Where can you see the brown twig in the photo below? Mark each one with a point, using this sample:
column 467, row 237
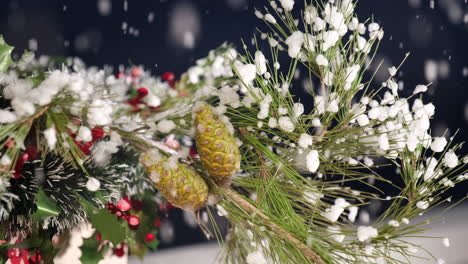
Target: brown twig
column 37, row 115
column 249, row 208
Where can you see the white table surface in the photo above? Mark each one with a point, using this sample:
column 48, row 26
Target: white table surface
column 453, row 225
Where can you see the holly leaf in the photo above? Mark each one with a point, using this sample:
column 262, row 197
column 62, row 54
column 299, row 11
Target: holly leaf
column 89, row 251
column 5, row 55
column 109, row 226
column 104, row 222
column 45, row 206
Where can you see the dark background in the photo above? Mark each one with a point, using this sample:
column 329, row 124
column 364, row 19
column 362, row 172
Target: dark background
column 157, row 34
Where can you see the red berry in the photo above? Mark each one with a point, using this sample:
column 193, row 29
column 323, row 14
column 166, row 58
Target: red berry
column 13, row 253
column 98, row 236
column 137, row 205
column 97, row 133
column 193, row 152
column 149, row 237
column 142, row 92
column 10, row 143
column 134, row 101
column 136, row 72
column 119, row 252
column 124, row 204
column 133, row 221
column 157, row 222
column 19, row 165
column 168, row 76
column 112, row 208
column 86, row 148
column 172, row 84
column 36, row 258
column 32, row 152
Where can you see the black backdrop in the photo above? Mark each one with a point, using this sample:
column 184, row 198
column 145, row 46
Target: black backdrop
column 151, row 33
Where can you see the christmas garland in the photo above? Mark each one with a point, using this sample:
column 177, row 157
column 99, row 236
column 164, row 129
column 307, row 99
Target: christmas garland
column 86, row 146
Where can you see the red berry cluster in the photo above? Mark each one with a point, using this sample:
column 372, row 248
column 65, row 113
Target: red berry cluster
column 97, row 133
column 135, row 102
column 119, row 251
column 169, row 77
column 122, row 210
column 30, row 153
column 141, row 92
column 35, row 258
column 23, row 256
column 18, row 255
column 135, row 73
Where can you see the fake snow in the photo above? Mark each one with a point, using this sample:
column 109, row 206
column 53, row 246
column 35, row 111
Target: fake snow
column 313, row 161
column 366, row 232
column 438, row 144
column 294, row 43
column 51, row 137
column 305, row 141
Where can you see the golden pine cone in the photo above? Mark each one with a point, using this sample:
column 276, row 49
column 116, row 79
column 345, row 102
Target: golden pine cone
column 216, row 145
column 178, row 183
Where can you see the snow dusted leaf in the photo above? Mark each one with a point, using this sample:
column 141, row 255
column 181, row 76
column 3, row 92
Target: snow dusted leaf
column 5, row 55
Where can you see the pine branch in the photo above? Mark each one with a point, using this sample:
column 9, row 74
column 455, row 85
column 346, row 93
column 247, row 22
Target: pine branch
column 248, row 207
column 37, row 115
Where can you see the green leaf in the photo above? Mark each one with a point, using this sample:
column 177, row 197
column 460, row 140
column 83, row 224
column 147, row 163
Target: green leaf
column 45, row 206
column 89, row 251
column 109, row 226
column 104, row 222
column 5, row 55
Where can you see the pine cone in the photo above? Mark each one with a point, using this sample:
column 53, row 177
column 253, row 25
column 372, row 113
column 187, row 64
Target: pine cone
column 178, row 183
column 216, row 145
